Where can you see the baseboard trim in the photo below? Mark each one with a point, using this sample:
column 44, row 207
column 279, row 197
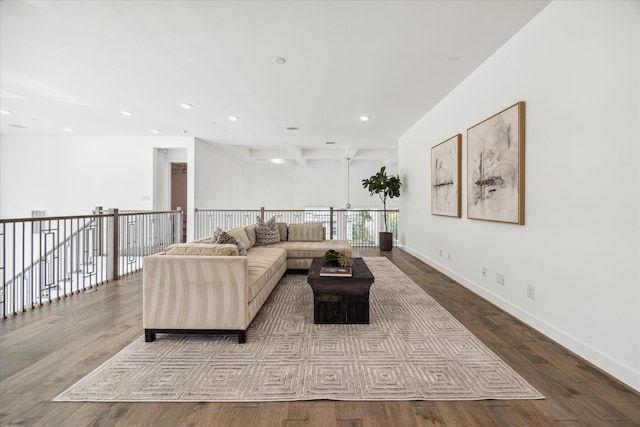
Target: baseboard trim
column 601, row 361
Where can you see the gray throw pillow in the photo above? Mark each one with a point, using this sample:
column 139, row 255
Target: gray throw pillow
column 267, row 232
column 223, row 238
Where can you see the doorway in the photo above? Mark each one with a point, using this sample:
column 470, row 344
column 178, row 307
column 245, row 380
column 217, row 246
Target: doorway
column 179, row 193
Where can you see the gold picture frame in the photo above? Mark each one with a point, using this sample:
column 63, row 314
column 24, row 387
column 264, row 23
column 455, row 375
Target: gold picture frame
column 446, row 177
column 495, row 167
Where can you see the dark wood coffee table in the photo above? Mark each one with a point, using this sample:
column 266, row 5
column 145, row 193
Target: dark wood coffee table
column 340, row 299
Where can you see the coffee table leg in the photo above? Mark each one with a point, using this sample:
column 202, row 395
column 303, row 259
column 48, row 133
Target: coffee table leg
column 341, row 309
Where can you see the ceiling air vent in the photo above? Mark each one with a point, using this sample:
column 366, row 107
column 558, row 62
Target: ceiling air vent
column 292, row 128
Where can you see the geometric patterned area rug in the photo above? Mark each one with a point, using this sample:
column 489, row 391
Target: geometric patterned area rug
column 413, row 349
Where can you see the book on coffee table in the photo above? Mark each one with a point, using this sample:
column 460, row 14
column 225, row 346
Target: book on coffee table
column 336, row 271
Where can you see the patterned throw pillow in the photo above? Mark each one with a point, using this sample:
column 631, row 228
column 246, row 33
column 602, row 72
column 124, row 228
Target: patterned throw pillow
column 223, row 238
column 267, row 232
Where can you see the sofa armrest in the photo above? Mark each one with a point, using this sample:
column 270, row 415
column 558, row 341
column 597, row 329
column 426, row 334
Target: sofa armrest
column 195, row 292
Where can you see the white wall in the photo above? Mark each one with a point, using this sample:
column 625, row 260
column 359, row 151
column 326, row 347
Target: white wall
column 50, row 173
column 327, row 186
column 576, row 65
column 227, row 182
column 224, row 181
column 71, row 175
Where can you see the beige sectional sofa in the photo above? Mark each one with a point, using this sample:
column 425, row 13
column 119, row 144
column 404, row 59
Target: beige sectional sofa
column 206, row 288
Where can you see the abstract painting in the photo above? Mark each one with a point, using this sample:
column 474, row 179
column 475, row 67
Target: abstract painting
column 495, row 167
column 446, row 160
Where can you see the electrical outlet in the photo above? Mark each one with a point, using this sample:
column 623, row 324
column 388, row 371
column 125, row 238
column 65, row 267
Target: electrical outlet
column 449, row 256
column 499, row 279
column 484, row 271
column 440, row 252
column 531, row 291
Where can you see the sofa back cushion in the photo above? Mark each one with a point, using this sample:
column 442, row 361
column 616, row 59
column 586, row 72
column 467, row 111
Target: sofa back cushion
column 267, row 232
column 210, row 239
column 251, row 234
column 306, row 232
column 282, row 228
column 241, row 236
column 194, row 248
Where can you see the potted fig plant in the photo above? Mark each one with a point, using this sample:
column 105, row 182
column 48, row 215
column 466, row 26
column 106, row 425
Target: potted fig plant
column 384, row 186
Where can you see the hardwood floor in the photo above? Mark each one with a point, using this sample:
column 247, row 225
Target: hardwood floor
column 44, row 351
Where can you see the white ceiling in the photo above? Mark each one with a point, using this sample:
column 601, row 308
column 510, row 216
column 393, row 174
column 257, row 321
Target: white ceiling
column 78, row 64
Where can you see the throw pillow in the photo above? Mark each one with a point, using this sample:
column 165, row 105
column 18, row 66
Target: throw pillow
column 224, row 238
column 267, row 232
column 241, row 236
column 216, row 234
column 201, row 249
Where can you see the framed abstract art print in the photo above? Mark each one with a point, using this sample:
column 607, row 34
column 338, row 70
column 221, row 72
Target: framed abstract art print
column 495, row 167
column 446, row 161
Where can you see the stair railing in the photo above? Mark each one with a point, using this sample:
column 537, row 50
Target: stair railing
column 47, row 258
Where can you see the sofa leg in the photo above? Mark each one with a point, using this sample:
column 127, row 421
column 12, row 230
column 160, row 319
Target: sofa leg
column 149, row 335
column 242, row 337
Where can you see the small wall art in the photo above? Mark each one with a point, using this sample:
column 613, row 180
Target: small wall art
column 495, row 167
column 446, row 188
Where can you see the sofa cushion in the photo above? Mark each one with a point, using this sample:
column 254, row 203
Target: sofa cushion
column 241, row 236
column 267, row 232
column 306, row 232
column 222, row 237
column 263, row 264
column 202, row 249
column 282, row 227
column 205, row 240
column 251, row 234
column 310, row 250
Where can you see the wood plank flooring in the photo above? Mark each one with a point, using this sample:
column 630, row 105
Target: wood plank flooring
column 44, row 351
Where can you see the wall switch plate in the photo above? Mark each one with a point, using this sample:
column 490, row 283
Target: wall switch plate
column 499, row 279
column 449, row 257
column 440, row 252
column 484, row 271
column 531, row 291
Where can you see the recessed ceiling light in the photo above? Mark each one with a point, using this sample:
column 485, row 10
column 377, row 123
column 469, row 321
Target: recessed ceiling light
column 279, row 60
column 155, row 131
column 127, row 113
column 5, row 112
column 186, row 106
column 364, row 119
column 278, row 161
column 68, row 130
column 233, row 118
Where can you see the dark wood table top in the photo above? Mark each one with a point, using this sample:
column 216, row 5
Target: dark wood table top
column 360, row 275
